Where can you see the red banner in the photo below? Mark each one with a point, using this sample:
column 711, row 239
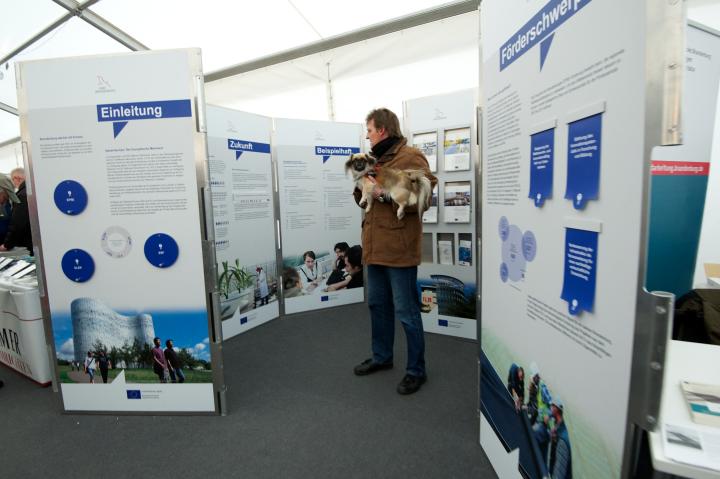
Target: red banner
column 680, row 168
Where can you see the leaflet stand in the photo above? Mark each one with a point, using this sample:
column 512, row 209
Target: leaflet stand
column 444, row 128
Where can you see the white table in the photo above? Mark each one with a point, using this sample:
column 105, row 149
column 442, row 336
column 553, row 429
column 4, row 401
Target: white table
column 685, row 361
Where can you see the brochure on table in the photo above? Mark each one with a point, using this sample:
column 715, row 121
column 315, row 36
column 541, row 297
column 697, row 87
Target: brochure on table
column 563, row 181
column 113, row 160
column 447, row 277
column 241, row 182
column 317, row 209
column 680, row 177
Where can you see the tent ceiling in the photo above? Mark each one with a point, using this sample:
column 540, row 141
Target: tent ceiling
column 231, row 32
column 408, row 46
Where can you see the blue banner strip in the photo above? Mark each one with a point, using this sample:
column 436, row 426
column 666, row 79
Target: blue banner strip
column 147, row 110
column 580, row 270
column 327, row 151
column 540, row 26
column 244, row 145
column 583, row 157
column 542, row 159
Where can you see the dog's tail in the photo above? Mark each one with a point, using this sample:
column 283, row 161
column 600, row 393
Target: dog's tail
column 422, row 187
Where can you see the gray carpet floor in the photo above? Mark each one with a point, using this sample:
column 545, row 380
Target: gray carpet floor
column 295, row 411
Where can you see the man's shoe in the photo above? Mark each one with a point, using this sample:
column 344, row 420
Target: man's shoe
column 369, row 366
column 410, row 384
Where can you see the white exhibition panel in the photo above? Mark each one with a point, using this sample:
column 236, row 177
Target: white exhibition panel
column 707, row 68
column 317, row 209
column 687, row 207
column 588, row 67
column 22, row 335
column 710, row 232
column 442, row 126
column 114, row 167
column 241, row 181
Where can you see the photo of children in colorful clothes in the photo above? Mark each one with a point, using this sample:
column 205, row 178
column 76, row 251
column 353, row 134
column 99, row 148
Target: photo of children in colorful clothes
column 545, row 414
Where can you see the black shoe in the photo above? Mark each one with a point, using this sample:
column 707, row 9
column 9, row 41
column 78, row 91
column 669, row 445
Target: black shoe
column 1, row 384
column 369, row 366
column 410, row 384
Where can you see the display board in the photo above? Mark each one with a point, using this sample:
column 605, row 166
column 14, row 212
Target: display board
column 317, row 209
column 680, row 173
column 443, row 128
column 564, row 172
column 241, row 181
column 118, row 166
column 22, row 336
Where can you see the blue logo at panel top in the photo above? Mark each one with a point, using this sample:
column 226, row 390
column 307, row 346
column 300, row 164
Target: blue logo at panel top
column 70, row 197
column 161, row 250
column 77, row 265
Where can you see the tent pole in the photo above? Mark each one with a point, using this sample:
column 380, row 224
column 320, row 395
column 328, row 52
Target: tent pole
column 441, row 12
column 330, row 98
column 8, row 108
column 5, row 143
column 101, row 24
column 48, row 29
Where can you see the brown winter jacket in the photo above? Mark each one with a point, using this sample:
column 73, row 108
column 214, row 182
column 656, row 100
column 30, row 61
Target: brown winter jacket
column 386, row 240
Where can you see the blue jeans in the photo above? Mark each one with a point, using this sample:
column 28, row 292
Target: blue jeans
column 392, row 292
column 176, row 375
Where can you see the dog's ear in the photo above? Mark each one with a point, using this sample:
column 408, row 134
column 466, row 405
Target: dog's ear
column 349, row 162
column 371, row 157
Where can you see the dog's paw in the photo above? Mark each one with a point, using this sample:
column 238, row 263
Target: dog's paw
column 363, row 204
column 400, row 214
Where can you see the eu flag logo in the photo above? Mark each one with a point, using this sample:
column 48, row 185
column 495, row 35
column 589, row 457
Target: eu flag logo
column 443, row 322
column 324, row 298
column 133, row 394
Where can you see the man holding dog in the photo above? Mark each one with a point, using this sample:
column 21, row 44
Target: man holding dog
column 392, row 253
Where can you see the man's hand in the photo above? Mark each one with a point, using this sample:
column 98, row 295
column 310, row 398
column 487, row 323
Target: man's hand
column 377, row 192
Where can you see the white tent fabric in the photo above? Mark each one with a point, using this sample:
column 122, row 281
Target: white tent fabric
column 383, row 71
column 420, row 61
column 228, row 32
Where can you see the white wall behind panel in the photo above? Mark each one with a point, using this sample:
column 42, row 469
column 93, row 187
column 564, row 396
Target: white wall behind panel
column 10, row 157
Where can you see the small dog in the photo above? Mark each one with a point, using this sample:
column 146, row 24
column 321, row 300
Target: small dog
column 406, row 187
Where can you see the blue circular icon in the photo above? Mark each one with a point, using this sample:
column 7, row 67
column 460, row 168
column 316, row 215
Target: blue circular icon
column 529, row 246
column 78, row 265
column 161, row 250
column 504, row 273
column 504, row 228
column 70, row 197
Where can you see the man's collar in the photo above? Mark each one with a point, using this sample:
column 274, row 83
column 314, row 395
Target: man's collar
column 392, row 150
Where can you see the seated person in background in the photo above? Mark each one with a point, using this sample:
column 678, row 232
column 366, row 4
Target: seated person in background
column 292, row 286
column 354, row 269
column 339, row 274
column 340, row 251
column 308, row 272
column 6, row 203
column 18, row 233
column 18, row 177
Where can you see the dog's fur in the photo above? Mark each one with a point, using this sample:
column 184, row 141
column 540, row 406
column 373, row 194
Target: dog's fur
column 406, row 187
